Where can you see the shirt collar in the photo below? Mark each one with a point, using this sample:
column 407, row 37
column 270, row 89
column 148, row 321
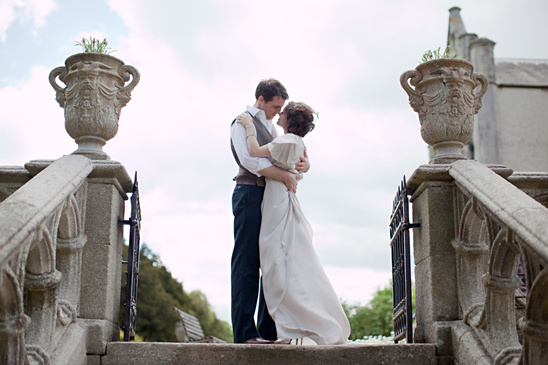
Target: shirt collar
column 258, row 113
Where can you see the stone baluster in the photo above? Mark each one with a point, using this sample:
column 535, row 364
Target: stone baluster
column 70, row 243
column 13, row 321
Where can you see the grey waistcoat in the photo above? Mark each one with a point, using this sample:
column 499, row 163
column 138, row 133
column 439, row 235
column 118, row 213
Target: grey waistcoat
column 244, row 176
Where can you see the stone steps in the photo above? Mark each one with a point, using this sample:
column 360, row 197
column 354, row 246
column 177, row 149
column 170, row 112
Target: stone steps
column 163, row 353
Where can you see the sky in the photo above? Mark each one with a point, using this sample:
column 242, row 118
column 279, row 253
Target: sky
column 200, row 62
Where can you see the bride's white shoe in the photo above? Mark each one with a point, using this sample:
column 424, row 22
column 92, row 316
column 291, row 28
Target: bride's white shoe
column 285, row 341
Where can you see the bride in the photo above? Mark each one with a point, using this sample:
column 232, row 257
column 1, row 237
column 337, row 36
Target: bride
column 298, row 293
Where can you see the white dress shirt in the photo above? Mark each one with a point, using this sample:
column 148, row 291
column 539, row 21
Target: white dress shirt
column 238, row 136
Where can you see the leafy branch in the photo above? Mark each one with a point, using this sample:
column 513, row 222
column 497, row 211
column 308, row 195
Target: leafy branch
column 93, row 45
column 437, row 54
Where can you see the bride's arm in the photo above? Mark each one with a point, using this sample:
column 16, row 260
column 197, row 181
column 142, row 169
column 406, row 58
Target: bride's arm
column 252, row 144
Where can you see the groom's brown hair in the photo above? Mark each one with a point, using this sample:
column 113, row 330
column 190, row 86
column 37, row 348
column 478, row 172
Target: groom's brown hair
column 270, row 88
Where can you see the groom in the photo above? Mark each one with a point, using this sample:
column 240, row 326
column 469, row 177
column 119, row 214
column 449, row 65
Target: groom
column 247, row 197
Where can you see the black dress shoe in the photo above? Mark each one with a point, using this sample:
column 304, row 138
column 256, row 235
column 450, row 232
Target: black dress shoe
column 258, row 341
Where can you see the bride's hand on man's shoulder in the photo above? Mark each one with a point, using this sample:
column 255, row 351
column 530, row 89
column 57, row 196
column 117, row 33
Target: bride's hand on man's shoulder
column 244, row 119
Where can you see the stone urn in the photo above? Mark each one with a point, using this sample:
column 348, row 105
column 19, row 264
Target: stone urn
column 95, row 93
column 446, row 93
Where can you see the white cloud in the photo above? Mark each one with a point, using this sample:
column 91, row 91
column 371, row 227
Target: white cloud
column 7, row 16
column 34, row 12
column 32, row 122
column 38, row 10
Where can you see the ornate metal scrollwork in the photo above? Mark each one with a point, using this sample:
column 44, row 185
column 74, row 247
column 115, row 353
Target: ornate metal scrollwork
column 132, row 274
column 401, row 265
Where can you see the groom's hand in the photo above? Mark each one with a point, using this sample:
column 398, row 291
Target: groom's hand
column 304, row 164
column 276, row 173
column 290, row 181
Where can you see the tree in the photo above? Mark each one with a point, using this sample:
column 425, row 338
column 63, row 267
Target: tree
column 375, row 318
column 212, row 326
column 157, row 293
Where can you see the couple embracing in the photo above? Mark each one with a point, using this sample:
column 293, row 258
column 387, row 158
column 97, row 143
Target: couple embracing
column 271, row 233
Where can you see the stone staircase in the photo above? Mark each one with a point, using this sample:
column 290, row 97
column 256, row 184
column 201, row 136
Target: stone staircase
column 155, row 353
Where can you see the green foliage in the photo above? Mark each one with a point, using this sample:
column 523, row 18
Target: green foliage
column 158, row 292
column 136, row 339
column 436, row 54
column 375, row 318
column 199, row 307
column 93, row 45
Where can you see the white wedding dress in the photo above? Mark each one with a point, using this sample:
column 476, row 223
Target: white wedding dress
column 299, row 296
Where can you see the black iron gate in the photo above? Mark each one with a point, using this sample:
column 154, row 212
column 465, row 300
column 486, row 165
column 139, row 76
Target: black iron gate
column 401, row 266
column 132, row 273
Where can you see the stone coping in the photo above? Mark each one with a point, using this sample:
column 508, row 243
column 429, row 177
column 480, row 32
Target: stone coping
column 102, row 169
column 37, row 200
column 14, row 175
column 440, row 173
column 140, row 353
column 529, row 180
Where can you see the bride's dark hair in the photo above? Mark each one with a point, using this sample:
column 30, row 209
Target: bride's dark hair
column 300, row 118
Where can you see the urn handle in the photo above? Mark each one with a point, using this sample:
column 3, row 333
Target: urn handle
column 478, row 80
column 125, row 93
column 412, row 77
column 60, row 71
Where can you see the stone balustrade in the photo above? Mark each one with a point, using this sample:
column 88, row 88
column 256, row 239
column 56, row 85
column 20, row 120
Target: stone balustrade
column 477, row 222
column 60, row 259
column 40, row 260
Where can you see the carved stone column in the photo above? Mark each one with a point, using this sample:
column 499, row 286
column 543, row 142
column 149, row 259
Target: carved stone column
column 535, row 327
column 70, row 243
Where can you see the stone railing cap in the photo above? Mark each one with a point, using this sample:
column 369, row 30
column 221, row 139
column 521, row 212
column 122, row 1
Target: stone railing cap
column 440, row 172
column 101, row 169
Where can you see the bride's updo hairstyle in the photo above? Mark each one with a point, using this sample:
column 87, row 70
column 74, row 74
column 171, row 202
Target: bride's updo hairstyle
column 300, row 118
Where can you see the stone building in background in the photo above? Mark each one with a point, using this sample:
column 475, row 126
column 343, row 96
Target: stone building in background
column 512, row 126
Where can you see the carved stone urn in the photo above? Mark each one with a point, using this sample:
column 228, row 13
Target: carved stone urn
column 446, row 93
column 95, row 93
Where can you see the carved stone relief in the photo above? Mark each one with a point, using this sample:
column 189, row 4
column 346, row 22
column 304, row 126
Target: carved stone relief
column 93, row 98
column 443, row 96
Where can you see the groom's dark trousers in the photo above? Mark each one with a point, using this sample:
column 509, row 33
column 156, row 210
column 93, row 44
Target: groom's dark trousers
column 246, row 207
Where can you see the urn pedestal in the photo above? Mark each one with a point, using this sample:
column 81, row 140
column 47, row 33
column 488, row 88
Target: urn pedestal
column 446, row 93
column 95, row 93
